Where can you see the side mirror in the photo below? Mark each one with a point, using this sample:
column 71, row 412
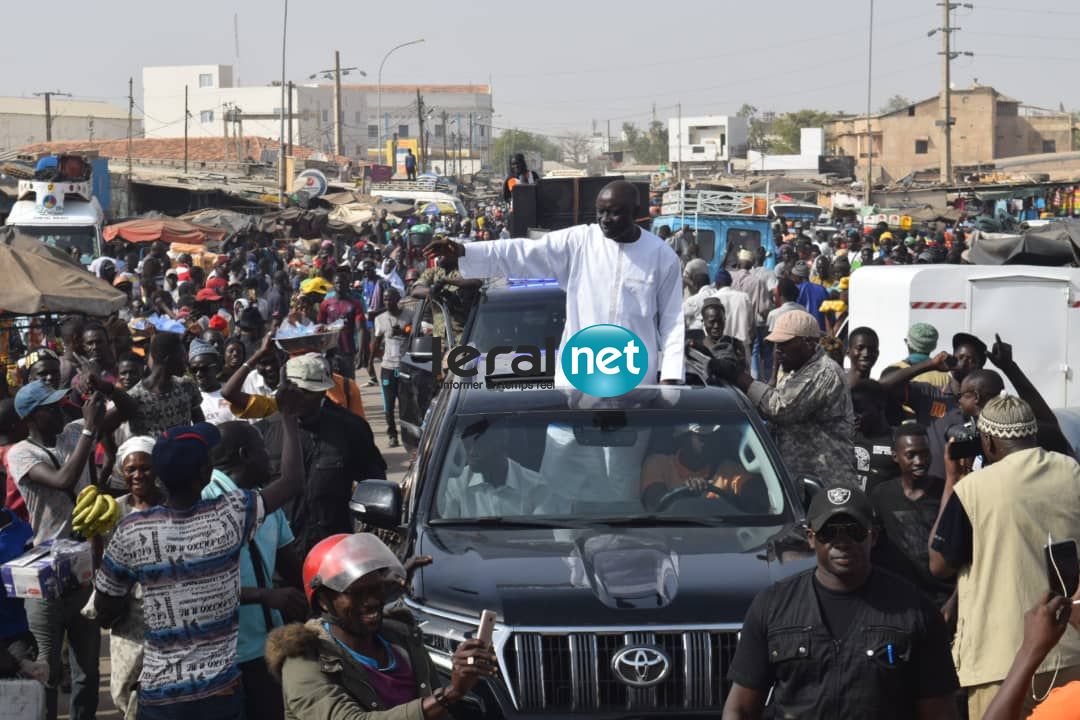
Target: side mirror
column 423, row 348
column 377, row 503
column 811, row 486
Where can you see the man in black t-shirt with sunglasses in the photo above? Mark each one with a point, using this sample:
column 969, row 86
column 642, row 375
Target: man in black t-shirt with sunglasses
column 845, row 639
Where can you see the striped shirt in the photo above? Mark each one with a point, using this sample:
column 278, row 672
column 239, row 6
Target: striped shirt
column 188, row 562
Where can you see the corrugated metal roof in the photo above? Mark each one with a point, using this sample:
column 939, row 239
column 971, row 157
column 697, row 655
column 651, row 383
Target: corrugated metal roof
column 212, row 149
column 60, row 106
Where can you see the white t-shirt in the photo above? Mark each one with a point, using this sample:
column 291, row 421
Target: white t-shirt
column 215, row 408
column 49, row 508
column 393, row 346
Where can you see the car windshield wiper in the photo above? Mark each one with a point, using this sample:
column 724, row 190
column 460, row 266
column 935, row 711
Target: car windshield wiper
column 661, row 520
column 518, row 522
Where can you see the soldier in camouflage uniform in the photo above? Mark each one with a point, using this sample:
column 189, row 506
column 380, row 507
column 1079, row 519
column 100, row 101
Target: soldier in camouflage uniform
column 446, row 282
column 809, row 411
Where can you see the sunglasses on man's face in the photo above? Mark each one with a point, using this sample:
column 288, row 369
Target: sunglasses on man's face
column 852, row 531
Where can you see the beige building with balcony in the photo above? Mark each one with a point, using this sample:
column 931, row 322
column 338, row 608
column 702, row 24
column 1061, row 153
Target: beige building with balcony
column 987, row 126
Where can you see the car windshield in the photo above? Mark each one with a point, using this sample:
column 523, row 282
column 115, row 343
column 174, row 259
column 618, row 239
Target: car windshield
column 608, row 466
column 66, row 238
column 526, row 320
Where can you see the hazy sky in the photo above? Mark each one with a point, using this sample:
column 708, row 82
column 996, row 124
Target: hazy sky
column 557, row 65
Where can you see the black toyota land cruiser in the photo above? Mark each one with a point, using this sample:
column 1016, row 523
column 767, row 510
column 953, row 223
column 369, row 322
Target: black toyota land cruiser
column 619, row 590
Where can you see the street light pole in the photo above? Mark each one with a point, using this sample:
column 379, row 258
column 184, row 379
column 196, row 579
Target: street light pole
column 281, row 137
column 388, row 53
column 868, row 191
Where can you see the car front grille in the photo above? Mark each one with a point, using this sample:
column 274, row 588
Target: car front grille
column 572, row 672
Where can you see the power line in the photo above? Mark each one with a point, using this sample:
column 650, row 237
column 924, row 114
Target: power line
column 1029, row 11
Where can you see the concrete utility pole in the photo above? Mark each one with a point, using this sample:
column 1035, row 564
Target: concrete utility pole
column 337, row 103
column 48, row 110
column 281, row 136
column 186, row 116
column 420, row 130
column 678, row 140
column 445, row 153
column 945, row 99
column 225, row 130
column 868, row 191
column 946, row 94
column 131, row 130
column 288, row 143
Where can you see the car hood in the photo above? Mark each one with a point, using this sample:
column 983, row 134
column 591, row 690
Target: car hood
column 606, row 575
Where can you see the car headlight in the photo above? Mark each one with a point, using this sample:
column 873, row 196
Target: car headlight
column 441, row 635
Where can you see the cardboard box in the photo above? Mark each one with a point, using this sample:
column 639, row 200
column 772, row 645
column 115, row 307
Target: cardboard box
column 39, row 573
column 31, row 575
column 22, row 700
column 76, row 563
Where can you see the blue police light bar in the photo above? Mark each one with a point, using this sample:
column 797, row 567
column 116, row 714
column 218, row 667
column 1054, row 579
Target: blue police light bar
column 532, row 282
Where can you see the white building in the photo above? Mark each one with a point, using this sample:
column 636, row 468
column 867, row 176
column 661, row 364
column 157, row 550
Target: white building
column 211, row 93
column 709, row 139
column 22, row 121
column 811, row 148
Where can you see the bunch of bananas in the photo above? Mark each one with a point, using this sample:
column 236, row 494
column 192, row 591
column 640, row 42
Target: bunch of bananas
column 95, row 512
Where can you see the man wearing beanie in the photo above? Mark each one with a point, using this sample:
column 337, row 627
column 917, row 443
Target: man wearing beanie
column 921, row 341
column 990, row 533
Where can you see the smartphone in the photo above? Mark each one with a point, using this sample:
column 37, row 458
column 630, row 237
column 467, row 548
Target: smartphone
column 1062, row 567
column 487, row 621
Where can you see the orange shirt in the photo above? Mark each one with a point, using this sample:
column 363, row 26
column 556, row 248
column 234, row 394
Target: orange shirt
column 1062, row 704
column 345, row 393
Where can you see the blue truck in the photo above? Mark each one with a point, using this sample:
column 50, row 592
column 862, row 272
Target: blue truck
column 724, row 221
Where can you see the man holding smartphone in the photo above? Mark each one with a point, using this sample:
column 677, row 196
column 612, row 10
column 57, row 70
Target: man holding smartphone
column 990, row 534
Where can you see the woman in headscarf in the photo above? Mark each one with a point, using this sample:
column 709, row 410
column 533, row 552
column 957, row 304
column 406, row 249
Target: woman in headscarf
column 126, row 641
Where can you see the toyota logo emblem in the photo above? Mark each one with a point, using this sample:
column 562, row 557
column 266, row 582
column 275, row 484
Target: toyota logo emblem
column 641, row 666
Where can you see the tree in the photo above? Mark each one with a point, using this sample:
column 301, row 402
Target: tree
column 575, row 148
column 518, row 141
column 896, row 102
column 784, row 133
column 650, row 146
column 757, row 130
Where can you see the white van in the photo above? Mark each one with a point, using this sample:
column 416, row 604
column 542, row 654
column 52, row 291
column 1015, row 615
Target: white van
column 1035, row 309
column 62, row 214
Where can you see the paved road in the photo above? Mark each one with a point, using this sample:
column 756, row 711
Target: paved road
column 396, row 458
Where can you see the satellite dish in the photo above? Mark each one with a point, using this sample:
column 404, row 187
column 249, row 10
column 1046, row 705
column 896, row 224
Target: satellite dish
column 312, row 183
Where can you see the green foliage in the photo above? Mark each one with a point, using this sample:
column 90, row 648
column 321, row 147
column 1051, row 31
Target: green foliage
column 519, row 141
column 784, row 133
column 896, row 102
column 649, row 146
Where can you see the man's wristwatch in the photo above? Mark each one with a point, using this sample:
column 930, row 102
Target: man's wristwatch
column 88, row 433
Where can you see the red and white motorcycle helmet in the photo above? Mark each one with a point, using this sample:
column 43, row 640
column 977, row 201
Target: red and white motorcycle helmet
column 340, row 560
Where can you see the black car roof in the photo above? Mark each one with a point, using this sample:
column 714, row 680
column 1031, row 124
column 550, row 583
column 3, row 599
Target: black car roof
column 685, row 398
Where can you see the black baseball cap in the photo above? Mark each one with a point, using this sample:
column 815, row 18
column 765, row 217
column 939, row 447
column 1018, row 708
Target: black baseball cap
column 840, row 500
column 963, row 338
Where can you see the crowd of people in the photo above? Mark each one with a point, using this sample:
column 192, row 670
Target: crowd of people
column 233, row 463
column 913, row 557
column 235, row 584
